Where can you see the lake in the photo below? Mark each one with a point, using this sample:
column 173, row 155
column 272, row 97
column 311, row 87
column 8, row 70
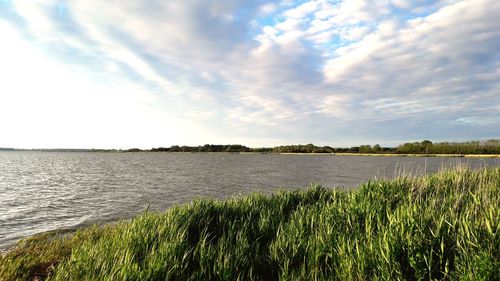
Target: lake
column 41, row 191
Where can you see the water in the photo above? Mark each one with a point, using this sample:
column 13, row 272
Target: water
column 41, row 191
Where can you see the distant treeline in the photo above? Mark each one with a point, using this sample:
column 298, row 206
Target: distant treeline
column 423, row 147
column 470, row 147
column 205, row 148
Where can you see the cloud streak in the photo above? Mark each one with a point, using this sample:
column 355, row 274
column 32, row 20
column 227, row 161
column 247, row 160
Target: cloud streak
column 265, row 73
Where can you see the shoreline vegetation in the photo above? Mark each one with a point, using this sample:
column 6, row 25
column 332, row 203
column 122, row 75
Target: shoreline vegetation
column 432, row 227
column 485, row 148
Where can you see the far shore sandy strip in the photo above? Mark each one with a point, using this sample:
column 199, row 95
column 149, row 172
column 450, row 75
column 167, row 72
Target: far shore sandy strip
column 385, row 154
column 422, row 155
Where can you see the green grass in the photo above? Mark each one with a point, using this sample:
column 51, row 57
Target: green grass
column 438, row 227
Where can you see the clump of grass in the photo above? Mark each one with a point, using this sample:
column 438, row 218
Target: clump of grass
column 442, row 226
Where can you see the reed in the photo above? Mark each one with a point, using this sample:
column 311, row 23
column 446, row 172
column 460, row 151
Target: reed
column 436, row 227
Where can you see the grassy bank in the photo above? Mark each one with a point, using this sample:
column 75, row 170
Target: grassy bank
column 443, row 226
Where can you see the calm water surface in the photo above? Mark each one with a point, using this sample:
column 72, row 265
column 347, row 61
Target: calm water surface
column 41, row 191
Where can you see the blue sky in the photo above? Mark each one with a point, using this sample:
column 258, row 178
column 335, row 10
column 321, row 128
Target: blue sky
column 120, row 74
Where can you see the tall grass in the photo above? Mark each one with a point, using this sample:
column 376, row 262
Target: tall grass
column 438, row 227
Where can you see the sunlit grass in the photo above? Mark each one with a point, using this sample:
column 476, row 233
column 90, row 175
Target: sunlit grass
column 442, row 226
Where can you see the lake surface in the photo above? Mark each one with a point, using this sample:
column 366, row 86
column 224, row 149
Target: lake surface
column 41, row 191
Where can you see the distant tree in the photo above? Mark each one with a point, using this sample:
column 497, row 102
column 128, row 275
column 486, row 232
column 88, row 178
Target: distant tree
column 160, row 149
column 324, row 149
column 175, row 148
column 261, row 149
column 365, row 148
column 425, row 145
column 409, row 148
column 354, row 149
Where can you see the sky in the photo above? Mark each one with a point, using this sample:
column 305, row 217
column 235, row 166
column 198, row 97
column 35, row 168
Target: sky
column 130, row 73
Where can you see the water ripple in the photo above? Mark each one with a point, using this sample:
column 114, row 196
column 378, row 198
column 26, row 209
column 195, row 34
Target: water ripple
column 43, row 191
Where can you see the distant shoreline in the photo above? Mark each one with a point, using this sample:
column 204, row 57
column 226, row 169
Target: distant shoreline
column 421, row 155
column 389, row 154
column 480, row 148
column 262, row 153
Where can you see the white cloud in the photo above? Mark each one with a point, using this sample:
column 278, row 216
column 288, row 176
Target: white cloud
column 335, row 106
column 268, row 8
column 258, row 67
column 303, row 10
column 420, row 68
column 355, row 33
